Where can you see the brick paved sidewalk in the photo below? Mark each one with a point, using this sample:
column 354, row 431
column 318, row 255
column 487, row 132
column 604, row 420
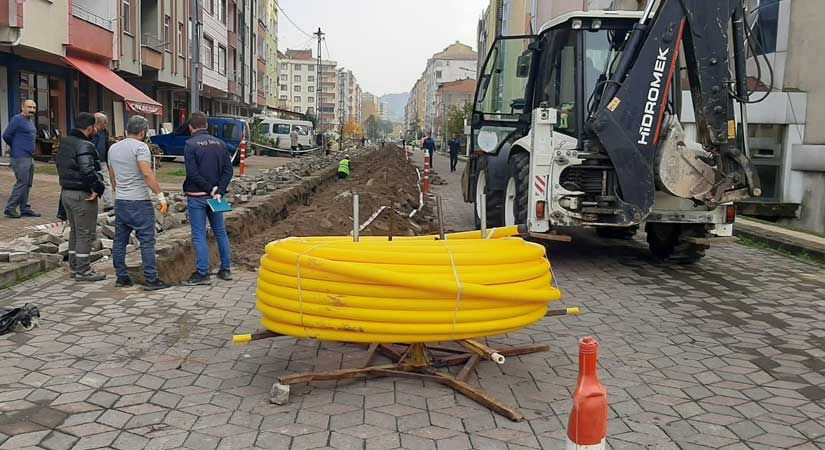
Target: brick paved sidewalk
column 724, row 354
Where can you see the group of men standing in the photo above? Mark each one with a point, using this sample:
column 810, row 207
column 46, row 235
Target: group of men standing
column 121, row 175
column 428, row 145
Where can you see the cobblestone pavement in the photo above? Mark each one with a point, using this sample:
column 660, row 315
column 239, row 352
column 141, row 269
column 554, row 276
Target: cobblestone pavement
column 46, row 192
column 724, row 354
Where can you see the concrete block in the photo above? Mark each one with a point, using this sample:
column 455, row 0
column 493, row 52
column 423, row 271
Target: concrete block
column 179, row 207
column 63, row 248
column 107, row 231
column 56, row 240
column 47, row 247
column 103, row 219
column 51, row 260
column 107, row 243
column 66, row 231
column 18, row 256
column 96, row 245
column 130, row 248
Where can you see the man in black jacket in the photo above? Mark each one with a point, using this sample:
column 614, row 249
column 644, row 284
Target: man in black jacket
column 208, row 173
column 78, row 167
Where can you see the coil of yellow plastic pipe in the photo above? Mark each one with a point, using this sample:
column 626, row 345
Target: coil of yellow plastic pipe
column 409, row 290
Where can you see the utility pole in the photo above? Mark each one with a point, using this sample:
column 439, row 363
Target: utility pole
column 194, row 57
column 320, row 35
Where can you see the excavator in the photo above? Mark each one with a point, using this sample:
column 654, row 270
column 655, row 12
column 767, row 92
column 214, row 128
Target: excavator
column 579, row 126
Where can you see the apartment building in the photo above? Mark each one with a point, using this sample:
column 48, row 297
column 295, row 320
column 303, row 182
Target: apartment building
column 271, row 55
column 126, row 57
column 370, row 106
column 456, row 62
column 451, row 95
column 350, row 91
column 300, row 90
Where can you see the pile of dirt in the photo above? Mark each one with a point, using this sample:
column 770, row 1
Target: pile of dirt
column 382, row 178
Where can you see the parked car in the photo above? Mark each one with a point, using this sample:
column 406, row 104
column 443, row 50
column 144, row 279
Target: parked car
column 232, row 130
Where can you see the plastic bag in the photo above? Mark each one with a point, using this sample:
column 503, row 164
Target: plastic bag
column 24, row 318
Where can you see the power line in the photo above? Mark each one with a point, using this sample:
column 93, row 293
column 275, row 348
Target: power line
column 291, row 21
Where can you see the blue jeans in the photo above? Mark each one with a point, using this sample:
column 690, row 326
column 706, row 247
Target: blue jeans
column 199, row 212
column 137, row 216
column 23, row 169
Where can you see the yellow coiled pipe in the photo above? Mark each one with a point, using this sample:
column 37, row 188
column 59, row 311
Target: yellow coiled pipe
column 409, row 290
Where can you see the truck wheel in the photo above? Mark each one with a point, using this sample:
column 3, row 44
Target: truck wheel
column 494, row 203
column 517, row 191
column 667, row 242
column 625, row 233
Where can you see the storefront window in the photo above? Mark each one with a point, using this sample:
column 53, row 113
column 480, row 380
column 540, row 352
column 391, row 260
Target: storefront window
column 36, row 87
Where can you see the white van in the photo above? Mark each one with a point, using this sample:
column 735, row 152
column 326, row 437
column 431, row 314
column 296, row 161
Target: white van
column 278, row 130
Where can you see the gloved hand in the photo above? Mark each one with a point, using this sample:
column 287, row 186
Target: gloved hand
column 164, row 206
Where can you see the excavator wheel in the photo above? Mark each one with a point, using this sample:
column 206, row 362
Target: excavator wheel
column 495, row 202
column 625, row 233
column 667, row 242
column 518, row 190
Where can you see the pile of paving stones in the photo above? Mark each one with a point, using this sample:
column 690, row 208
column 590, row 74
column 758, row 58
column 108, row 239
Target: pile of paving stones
column 50, row 242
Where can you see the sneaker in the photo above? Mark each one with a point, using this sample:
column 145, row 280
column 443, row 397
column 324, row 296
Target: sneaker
column 30, row 214
column 123, row 282
column 155, row 285
column 225, row 274
column 90, row 276
column 11, row 214
column 198, row 280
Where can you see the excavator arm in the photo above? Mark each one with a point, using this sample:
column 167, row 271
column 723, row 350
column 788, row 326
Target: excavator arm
column 629, row 122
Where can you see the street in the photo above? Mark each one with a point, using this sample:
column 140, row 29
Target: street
column 724, row 354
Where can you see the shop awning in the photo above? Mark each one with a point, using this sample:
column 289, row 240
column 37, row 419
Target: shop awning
column 135, row 100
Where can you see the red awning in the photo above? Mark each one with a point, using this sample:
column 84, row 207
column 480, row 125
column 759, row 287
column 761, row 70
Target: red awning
column 135, row 100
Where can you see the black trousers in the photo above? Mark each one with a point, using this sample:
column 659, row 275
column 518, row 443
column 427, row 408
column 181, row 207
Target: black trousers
column 453, row 161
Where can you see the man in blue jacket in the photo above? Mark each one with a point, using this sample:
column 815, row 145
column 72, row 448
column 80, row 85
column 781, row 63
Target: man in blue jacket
column 20, row 136
column 208, row 173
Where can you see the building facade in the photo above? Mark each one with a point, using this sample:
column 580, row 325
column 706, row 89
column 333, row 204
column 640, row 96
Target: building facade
column 451, row 95
column 350, row 94
column 300, row 91
column 125, row 57
column 370, row 106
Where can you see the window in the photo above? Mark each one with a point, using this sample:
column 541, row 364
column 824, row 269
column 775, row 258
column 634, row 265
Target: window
column 284, row 78
column 211, row 4
column 296, row 99
column 283, row 87
column 311, row 67
column 310, row 110
column 167, row 21
column 222, row 11
column 297, row 78
column 437, row 74
column 232, row 62
column 284, row 66
column 311, row 79
column 281, row 128
column 127, row 16
column 230, row 24
column 765, row 24
column 222, row 60
column 180, row 39
column 207, row 58
column 311, row 99
column 557, row 86
column 298, row 67
column 310, row 88
column 232, row 131
column 297, row 109
column 284, row 97
column 297, row 88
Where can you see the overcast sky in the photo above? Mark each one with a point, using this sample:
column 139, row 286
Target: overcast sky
column 385, row 43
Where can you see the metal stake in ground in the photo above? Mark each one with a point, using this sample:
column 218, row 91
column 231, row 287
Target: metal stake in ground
column 440, row 213
column 356, row 222
column 483, row 216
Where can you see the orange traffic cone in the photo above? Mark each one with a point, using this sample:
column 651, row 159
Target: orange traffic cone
column 587, row 428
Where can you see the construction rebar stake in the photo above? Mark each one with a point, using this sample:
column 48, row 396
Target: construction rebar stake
column 356, row 222
column 440, row 213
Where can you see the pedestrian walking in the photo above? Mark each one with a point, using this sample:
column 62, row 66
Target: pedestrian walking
column 208, row 173
column 78, row 169
column 428, row 144
column 293, row 141
column 134, row 182
column 344, row 168
column 455, row 147
column 20, row 136
column 101, row 141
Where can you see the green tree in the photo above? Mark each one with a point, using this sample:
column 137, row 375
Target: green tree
column 371, row 127
column 455, row 119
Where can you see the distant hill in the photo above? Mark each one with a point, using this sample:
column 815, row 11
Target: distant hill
column 395, row 103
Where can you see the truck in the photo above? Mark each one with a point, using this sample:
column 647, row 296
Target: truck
column 578, row 126
column 233, row 131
